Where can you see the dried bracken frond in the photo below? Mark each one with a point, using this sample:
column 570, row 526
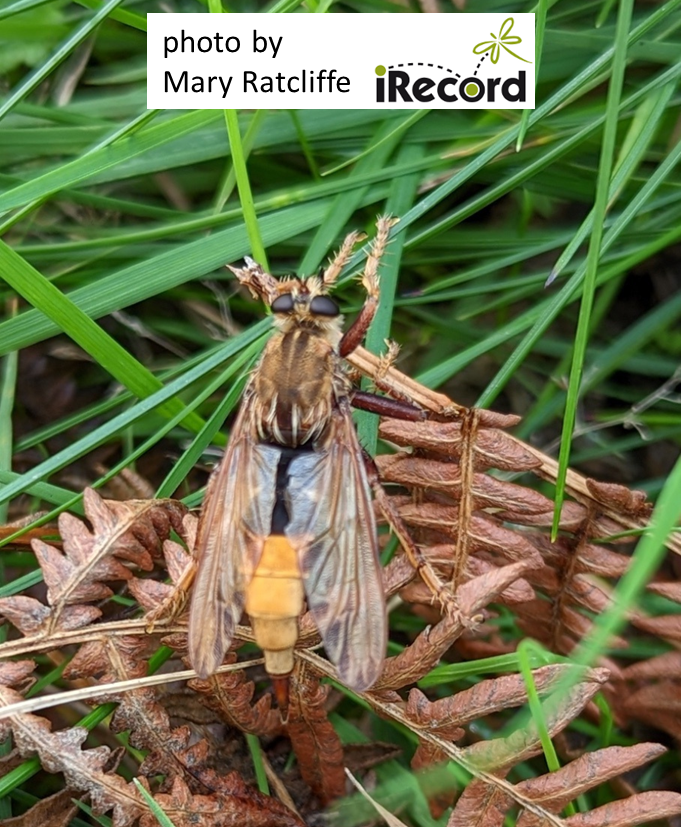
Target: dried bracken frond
column 494, row 695
column 481, row 805
column 84, row 769
column 447, row 718
column 496, row 449
column 130, row 532
column 170, row 750
column 559, row 711
column 314, row 740
column 164, row 602
column 235, row 806
column 422, row 655
column 463, row 517
column 17, row 674
column 56, row 810
column 230, row 802
column 556, row 790
column 110, row 660
column 230, row 695
column 437, row 724
column 31, row 617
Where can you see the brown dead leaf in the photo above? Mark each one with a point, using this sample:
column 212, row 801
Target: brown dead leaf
column 480, row 804
column 620, row 498
column 643, row 808
column 230, row 695
column 557, row 789
column 313, row 738
column 502, row 753
column 359, row 757
column 425, row 652
column 130, row 531
column 487, row 492
column 237, row 806
column 83, row 769
column 31, row 617
column 54, row 811
column 493, row 448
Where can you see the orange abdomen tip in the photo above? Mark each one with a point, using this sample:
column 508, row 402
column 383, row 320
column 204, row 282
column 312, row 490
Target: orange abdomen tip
column 274, row 601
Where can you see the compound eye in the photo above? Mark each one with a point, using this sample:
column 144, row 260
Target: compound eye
column 324, row 306
column 283, row 303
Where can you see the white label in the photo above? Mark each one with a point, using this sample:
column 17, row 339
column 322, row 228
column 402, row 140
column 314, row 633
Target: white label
column 340, row 61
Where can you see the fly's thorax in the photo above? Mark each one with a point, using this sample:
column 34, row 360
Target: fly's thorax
column 296, row 384
column 331, row 330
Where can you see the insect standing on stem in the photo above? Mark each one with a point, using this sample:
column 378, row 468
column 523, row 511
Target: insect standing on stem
column 288, row 515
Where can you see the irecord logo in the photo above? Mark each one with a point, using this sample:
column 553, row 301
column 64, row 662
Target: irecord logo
column 398, row 84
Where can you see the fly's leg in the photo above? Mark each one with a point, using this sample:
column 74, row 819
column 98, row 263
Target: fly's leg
column 341, row 258
column 399, row 386
column 385, row 406
column 384, row 368
column 386, row 361
column 423, row 568
column 355, row 334
column 394, row 406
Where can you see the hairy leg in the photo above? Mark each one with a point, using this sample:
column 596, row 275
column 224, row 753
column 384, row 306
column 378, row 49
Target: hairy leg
column 357, row 330
column 341, row 258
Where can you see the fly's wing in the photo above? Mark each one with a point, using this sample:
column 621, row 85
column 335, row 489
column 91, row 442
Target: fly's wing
column 333, row 527
column 236, row 519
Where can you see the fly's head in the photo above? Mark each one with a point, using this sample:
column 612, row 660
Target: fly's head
column 295, row 302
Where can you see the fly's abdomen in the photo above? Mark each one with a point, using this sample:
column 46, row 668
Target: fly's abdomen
column 274, row 601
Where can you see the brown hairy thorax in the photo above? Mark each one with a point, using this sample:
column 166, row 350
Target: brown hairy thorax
column 299, row 377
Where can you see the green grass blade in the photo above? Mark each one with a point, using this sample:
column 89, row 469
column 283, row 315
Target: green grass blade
column 593, row 255
column 80, row 170
column 540, row 29
column 125, row 16
column 390, row 136
column 244, row 186
column 652, row 109
column 345, row 204
column 126, row 418
column 44, row 296
column 227, row 185
column 258, row 764
column 577, row 84
column 402, row 195
column 20, row 6
column 8, row 382
column 526, row 649
column 159, row 814
column 203, row 439
column 542, row 316
column 62, row 52
column 160, row 273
